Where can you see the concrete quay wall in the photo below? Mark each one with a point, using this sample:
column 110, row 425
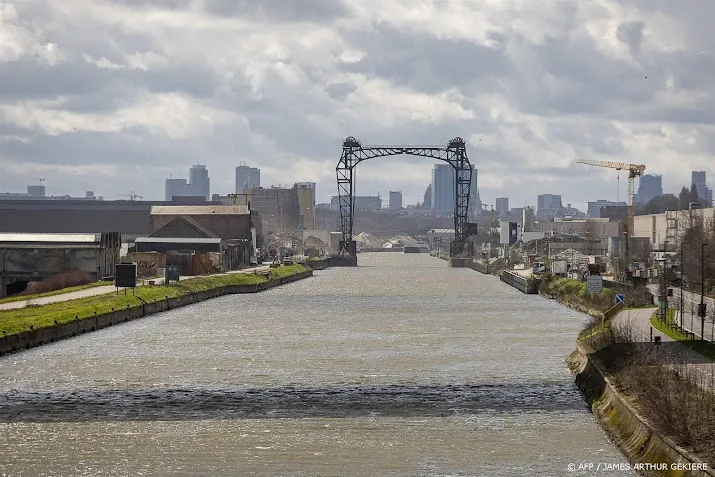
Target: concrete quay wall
column 59, row 331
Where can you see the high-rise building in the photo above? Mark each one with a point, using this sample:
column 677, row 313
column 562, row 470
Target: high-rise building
column 443, row 188
column 650, row 186
column 248, row 178
column 175, row 188
column 199, row 182
column 395, row 200
column 502, row 205
column 475, row 203
column 699, row 179
column 594, row 208
column 427, row 202
column 527, row 222
column 548, row 205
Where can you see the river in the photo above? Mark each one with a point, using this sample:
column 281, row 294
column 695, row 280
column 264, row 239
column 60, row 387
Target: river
column 401, row 366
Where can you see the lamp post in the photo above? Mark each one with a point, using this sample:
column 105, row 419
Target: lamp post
column 701, row 309
column 682, row 285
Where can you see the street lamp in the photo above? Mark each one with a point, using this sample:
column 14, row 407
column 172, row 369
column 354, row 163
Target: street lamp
column 682, row 287
column 701, row 308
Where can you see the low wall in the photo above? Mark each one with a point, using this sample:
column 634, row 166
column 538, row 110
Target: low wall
column 637, row 439
column 343, row 261
column 481, row 267
column 523, row 284
column 321, row 264
column 31, row 339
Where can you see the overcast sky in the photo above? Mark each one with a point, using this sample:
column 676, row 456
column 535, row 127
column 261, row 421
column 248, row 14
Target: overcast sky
column 114, row 96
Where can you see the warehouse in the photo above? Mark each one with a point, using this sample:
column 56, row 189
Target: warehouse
column 33, row 257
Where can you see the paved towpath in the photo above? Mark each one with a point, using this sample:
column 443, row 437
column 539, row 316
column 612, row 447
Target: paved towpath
column 102, row 290
column 639, row 321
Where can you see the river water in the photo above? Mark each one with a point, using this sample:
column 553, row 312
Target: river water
column 401, row 366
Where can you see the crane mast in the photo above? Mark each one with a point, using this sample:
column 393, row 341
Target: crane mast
column 634, row 170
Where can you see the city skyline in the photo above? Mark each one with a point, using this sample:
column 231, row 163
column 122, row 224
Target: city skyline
column 525, row 100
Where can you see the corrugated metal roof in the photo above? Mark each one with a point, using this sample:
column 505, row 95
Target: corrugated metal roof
column 176, row 240
column 59, row 238
column 200, row 210
column 442, row 231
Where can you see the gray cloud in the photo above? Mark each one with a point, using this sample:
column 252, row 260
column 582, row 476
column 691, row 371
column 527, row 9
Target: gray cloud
column 546, row 88
column 316, row 11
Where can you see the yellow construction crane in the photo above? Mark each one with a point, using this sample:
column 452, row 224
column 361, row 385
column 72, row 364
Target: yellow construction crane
column 634, row 170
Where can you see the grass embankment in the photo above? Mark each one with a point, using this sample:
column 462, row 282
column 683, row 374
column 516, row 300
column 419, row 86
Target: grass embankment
column 22, row 319
column 573, row 293
column 13, row 299
column 670, row 328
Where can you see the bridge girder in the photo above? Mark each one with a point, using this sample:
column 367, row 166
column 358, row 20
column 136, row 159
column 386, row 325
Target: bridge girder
column 454, row 153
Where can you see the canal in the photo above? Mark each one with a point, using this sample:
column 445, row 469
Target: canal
column 401, row 366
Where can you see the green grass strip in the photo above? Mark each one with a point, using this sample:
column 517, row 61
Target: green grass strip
column 20, row 320
column 13, row 299
column 702, row 347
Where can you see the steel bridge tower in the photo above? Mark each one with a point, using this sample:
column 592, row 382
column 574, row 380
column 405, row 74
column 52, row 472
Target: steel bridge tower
column 454, row 153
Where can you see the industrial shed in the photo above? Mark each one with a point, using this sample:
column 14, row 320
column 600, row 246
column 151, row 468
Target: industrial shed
column 33, row 257
column 166, row 244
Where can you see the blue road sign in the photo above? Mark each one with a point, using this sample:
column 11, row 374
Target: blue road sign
column 620, row 299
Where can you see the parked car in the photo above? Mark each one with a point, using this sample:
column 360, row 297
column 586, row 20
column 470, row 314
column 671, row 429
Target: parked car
column 287, row 261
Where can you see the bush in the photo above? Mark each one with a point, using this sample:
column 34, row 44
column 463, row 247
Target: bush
column 58, row 282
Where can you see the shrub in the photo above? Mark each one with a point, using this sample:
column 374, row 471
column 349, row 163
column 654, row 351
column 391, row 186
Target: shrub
column 58, row 282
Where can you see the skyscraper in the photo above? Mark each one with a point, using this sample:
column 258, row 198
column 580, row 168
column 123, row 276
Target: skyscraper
column 427, row 202
column 548, row 205
column 175, row 188
column 395, row 200
column 199, row 182
column 443, row 188
column 650, row 186
column 502, row 205
column 248, row 178
column 704, row 193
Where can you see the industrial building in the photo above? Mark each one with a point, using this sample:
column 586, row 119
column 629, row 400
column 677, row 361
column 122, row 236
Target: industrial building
column 131, row 218
column 361, row 202
column 306, row 203
column 279, row 208
column 594, row 208
column 33, row 257
column 196, row 229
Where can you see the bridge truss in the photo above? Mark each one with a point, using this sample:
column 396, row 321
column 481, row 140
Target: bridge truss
column 454, row 153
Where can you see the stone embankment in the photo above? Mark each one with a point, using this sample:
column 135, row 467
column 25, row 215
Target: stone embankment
column 637, row 438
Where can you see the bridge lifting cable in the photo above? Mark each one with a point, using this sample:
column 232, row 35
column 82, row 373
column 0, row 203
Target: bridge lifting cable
column 454, row 153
